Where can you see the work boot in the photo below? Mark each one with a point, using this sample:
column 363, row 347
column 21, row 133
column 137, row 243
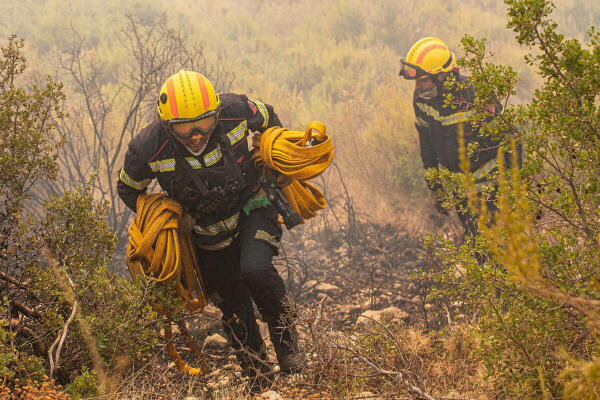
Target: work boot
column 268, row 292
column 250, row 350
column 285, row 343
column 257, row 369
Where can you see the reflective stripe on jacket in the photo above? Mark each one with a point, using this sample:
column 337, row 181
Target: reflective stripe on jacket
column 437, row 126
column 224, row 166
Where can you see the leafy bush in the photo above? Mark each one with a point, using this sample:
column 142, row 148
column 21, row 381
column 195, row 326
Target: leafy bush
column 83, row 386
column 531, row 274
column 59, row 298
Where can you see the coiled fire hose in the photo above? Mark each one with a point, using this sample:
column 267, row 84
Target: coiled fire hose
column 299, row 157
column 158, row 252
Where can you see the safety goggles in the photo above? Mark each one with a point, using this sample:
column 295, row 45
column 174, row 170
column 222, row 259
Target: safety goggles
column 188, row 128
column 412, row 72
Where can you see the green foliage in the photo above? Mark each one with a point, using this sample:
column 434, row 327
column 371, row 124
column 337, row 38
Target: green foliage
column 57, row 257
column 15, row 361
column 27, row 154
column 117, row 310
column 531, row 275
column 27, row 122
column 83, row 386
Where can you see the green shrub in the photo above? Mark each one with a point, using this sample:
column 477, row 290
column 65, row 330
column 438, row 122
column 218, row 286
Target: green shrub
column 531, row 275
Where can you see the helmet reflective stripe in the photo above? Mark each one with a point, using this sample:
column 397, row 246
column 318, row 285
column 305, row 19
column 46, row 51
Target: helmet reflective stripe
column 203, row 91
column 427, row 49
column 172, row 98
column 431, row 55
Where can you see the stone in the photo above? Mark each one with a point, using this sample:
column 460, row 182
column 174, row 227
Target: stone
column 310, row 284
column 393, row 313
column 366, row 396
column 348, row 308
column 330, row 290
column 401, row 299
column 366, row 304
column 269, row 395
column 309, row 244
column 322, row 296
column 216, row 342
column 212, row 311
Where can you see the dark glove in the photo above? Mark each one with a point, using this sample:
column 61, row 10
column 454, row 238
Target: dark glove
column 186, row 224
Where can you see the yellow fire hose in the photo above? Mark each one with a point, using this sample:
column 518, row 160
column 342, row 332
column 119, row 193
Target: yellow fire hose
column 158, row 252
column 287, row 152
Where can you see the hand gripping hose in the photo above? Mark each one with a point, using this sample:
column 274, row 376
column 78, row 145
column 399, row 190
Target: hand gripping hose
column 158, row 252
column 299, row 157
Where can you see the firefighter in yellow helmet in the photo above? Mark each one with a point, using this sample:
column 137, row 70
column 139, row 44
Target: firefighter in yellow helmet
column 198, row 151
column 429, row 63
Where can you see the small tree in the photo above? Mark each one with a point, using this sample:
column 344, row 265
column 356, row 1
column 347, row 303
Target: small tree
column 532, row 273
column 110, row 104
column 61, row 308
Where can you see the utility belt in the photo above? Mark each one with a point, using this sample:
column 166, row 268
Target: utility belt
column 218, row 235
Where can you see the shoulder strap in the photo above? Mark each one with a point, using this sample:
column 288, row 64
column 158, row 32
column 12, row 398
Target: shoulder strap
column 182, row 165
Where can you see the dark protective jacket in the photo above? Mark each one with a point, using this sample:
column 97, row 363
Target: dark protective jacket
column 437, row 125
column 213, row 186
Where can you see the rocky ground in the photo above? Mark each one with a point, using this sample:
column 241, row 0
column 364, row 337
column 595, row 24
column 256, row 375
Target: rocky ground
column 350, row 276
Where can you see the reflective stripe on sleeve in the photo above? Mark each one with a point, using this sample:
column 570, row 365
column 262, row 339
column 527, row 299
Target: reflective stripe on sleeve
column 461, row 116
column 129, row 181
column 263, row 111
column 421, row 122
column 238, row 133
column 265, row 236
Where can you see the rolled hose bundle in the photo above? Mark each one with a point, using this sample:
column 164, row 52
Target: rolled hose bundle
column 287, row 153
column 158, row 252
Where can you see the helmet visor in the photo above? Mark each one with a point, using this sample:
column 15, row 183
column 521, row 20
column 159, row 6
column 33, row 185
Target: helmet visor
column 412, row 72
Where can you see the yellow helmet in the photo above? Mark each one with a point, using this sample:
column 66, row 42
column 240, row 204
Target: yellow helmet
column 187, row 96
column 429, row 56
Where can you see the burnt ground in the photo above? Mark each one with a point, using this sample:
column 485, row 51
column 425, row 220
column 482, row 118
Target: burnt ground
column 350, row 270
column 373, row 266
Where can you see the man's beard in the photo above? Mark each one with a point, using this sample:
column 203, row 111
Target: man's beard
column 428, row 94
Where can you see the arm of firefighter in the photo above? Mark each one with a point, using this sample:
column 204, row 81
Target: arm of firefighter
column 427, row 153
column 134, row 177
column 261, row 116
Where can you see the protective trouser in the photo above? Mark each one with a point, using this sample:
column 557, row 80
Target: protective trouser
column 220, row 271
column 259, row 236
column 243, row 272
column 468, row 221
